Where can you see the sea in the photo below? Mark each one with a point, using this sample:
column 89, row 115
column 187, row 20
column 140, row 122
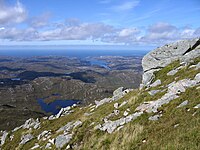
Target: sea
column 70, row 53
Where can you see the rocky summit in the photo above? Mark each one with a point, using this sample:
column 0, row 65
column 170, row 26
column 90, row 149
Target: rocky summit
column 163, row 114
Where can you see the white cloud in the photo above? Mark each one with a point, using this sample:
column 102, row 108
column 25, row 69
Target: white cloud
column 74, row 30
column 12, row 14
column 161, row 27
column 2, row 28
column 128, row 32
column 161, row 33
column 125, row 6
column 40, row 21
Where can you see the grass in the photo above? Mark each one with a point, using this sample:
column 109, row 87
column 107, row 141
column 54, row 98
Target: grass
column 139, row 134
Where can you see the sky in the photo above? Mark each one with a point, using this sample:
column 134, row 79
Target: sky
column 128, row 23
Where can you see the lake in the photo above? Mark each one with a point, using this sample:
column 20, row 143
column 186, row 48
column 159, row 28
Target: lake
column 55, row 106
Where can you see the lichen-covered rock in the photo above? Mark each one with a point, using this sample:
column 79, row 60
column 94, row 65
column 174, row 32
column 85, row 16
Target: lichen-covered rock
column 62, row 140
column 153, row 92
column 184, row 103
column 174, row 89
column 116, row 105
column 44, row 133
column 156, row 83
column 110, row 126
column 3, row 138
column 117, row 94
column 197, row 106
column 26, row 138
column 155, row 117
column 162, row 56
column 31, row 123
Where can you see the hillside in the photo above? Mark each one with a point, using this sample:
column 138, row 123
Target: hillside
column 163, row 114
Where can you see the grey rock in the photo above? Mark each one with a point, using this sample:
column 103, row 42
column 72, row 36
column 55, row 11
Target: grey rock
column 68, row 108
column 59, row 113
column 44, row 133
column 197, row 78
column 52, row 141
column 118, row 91
column 26, row 138
column 31, row 123
column 190, row 56
column 117, row 94
column 192, row 66
column 155, row 117
column 176, row 125
column 174, row 89
column 17, row 128
column 184, row 103
column 48, row 146
column 103, row 101
column 119, row 128
column 123, row 103
column 97, row 127
column 87, row 114
column 198, row 66
column 197, row 106
column 116, row 112
column 116, row 105
column 153, row 92
column 77, row 123
column 68, row 147
column 3, row 138
column 35, row 146
column 12, row 137
column 110, row 126
column 125, row 113
column 184, row 50
column 148, row 77
column 62, row 140
column 156, row 83
column 67, row 127
column 172, row 72
column 51, row 117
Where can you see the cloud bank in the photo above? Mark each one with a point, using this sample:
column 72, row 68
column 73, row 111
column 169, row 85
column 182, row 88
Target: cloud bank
column 40, row 28
column 12, row 14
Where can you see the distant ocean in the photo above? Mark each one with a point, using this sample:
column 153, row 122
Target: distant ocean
column 72, row 53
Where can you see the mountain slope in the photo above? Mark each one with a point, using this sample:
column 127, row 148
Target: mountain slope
column 163, row 114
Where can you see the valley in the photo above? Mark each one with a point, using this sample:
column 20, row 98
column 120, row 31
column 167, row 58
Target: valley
column 25, row 80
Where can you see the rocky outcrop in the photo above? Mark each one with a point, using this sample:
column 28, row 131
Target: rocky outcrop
column 174, row 89
column 117, row 94
column 162, row 56
column 26, row 138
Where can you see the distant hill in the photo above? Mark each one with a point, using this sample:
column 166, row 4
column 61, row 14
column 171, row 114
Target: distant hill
column 163, row 114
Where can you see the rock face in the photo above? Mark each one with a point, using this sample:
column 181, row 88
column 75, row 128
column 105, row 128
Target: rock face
column 26, row 138
column 3, row 138
column 161, row 57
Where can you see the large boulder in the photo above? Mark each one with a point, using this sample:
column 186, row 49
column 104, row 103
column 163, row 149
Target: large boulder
column 157, row 59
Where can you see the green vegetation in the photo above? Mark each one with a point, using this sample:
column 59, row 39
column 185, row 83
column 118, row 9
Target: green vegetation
column 178, row 128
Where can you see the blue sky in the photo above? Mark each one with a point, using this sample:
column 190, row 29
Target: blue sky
column 136, row 23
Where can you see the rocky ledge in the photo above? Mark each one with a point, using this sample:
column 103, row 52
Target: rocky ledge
column 185, row 51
